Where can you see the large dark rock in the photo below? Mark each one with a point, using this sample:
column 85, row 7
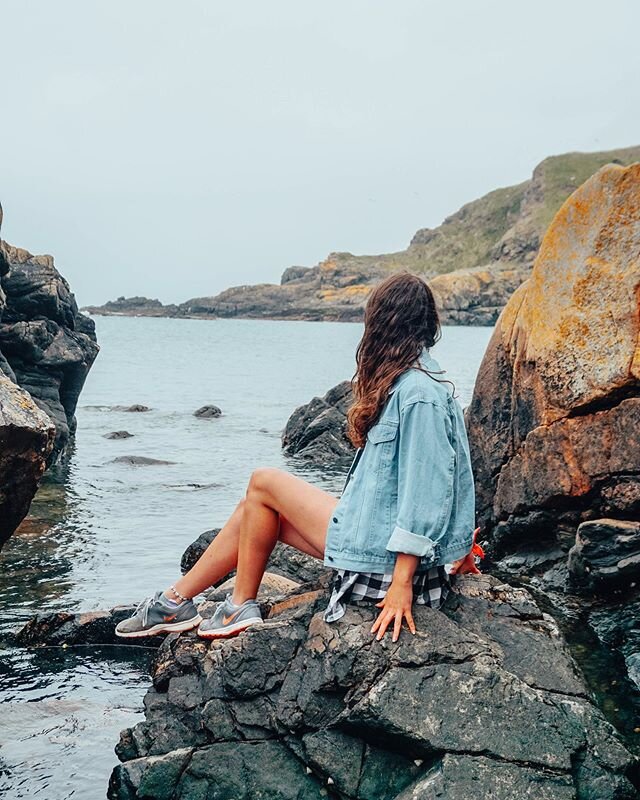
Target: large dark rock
column 554, row 419
column 316, row 431
column 47, row 346
column 484, row 700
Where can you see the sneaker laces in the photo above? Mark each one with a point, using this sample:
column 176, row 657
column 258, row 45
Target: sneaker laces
column 143, row 609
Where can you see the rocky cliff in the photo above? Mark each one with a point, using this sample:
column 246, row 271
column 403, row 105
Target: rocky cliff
column 47, row 345
column 46, row 350
column 555, row 415
column 474, row 260
column 484, row 701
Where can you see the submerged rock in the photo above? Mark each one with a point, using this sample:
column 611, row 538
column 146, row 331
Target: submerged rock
column 140, row 461
column 317, row 431
column 297, row 708
column 208, row 412
column 26, row 440
column 118, row 435
column 136, row 408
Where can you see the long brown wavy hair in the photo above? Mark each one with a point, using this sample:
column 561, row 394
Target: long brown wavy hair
column 400, row 319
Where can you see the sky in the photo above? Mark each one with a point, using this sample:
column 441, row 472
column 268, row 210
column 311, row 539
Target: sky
column 174, row 149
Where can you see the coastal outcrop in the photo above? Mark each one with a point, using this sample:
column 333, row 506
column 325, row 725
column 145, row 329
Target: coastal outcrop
column 297, row 708
column 554, row 419
column 46, row 350
column 47, row 345
column 475, row 259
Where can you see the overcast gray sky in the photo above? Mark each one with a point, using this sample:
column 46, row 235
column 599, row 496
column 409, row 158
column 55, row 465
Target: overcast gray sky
column 176, row 148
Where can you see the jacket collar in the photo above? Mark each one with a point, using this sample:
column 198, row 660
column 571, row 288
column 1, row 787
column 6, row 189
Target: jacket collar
column 426, row 360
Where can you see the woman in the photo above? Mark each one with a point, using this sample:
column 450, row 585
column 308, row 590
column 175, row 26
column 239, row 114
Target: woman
column 406, row 511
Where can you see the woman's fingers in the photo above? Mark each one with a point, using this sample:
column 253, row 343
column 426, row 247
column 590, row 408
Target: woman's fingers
column 379, row 620
column 397, row 626
column 410, row 622
column 387, row 616
column 384, row 624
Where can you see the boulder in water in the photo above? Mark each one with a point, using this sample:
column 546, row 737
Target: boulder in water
column 118, row 435
column 140, row 461
column 208, row 412
column 317, row 431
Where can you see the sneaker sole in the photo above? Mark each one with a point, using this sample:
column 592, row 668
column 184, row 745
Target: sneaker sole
column 176, row 627
column 229, row 630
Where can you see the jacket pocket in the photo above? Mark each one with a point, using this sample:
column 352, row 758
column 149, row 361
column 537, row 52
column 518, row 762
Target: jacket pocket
column 382, row 432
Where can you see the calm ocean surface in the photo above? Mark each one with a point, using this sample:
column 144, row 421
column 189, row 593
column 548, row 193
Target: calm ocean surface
column 101, row 533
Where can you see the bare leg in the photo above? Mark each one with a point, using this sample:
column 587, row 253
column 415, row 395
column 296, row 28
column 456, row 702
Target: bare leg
column 271, row 494
column 309, row 504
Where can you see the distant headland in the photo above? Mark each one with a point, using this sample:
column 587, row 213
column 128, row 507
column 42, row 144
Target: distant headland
column 474, row 260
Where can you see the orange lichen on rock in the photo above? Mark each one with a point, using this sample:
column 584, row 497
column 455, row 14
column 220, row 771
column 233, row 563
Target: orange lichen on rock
column 577, row 317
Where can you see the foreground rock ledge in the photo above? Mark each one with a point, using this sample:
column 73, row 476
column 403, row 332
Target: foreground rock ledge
column 485, row 701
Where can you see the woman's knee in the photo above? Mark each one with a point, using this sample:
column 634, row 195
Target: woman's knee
column 262, row 480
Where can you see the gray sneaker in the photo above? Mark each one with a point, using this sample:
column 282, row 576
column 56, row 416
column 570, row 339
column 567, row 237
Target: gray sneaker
column 228, row 620
column 156, row 615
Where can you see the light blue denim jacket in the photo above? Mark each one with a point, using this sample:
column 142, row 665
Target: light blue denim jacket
column 412, row 491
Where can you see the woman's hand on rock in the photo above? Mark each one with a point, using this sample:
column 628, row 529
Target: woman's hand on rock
column 396, row 606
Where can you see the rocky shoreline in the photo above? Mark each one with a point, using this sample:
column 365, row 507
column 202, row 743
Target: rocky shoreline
column 474, row 260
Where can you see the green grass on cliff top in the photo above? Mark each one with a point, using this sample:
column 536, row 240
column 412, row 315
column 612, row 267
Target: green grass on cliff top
column 466, row 238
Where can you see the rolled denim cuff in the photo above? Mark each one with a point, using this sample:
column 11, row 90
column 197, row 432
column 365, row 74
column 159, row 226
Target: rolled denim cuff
column 402, row 541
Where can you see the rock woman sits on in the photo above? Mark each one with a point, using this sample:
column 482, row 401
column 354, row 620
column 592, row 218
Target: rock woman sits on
column 404, row 521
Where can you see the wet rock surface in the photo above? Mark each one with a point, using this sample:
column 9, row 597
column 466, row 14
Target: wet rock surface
column 316, row 432
column 65, row 628
column 118, row 435
column 606, row 555
column 297, row 708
